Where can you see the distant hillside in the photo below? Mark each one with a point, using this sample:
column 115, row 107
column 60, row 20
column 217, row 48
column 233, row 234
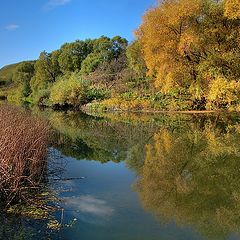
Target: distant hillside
column 6, row 73
column 6, row 83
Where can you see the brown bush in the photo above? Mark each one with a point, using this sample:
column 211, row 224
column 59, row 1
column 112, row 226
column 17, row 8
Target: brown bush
column 23, row 151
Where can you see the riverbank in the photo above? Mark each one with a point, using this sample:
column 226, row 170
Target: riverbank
column 154, row 111
column 101, row 107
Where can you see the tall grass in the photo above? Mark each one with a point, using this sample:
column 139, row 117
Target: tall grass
column 23, row 151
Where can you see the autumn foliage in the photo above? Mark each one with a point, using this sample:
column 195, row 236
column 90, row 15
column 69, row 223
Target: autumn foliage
column 191, row 175
column 190, row 44
column 185, row 57
column 232, row 9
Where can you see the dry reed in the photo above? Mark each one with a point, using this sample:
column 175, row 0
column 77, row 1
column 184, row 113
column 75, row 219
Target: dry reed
column 23, row 152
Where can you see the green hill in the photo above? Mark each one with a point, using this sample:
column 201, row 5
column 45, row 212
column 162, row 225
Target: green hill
column 6, row 79
column 6, row 73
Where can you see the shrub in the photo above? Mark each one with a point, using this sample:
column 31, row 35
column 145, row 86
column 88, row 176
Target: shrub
column 74, row 91
column 39, row 97
column 69, row 91
column 15, row 96
column 97, row 94
column 223, row 93
column 125, row 105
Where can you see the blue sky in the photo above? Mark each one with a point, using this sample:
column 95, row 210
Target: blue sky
column 28, row 27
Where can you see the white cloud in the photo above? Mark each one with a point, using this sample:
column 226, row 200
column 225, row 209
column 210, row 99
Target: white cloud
column 90, row 205
column 55, row 3
column 12, row 27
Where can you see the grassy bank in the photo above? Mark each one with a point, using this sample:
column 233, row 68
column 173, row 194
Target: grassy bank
column 23, row 150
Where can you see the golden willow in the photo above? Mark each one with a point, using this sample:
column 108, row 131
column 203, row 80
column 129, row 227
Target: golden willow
column 190, row 44
column 232, row 9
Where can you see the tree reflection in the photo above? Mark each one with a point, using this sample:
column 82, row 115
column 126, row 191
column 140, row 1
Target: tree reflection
column 101, row 139
column 192, row 176
column 188, row 166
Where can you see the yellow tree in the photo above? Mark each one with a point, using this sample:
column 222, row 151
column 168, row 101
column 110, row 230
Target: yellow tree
column 232, row 9
column 189, row 43
column 166, row 34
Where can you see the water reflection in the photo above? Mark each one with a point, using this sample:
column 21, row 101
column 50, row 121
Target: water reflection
column 101, row 139
column 188, row 167
column 193, row 177
column 90, row 208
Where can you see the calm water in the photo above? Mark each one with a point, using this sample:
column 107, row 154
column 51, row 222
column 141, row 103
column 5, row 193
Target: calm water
column 143, row 177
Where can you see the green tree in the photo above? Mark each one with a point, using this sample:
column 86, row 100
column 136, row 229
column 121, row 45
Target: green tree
column 72, row 55
column 135, row 58
column 104, row 51
column 91, row 63
column 119, row 46
column 47, row 70
column 23, row 75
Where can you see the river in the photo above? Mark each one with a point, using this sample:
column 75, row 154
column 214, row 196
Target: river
column 141, row 177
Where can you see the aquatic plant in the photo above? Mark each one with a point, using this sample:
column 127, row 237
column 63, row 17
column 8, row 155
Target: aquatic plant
column 23, row 151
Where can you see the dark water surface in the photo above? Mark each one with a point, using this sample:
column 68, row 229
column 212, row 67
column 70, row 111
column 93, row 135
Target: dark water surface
column 144, row 177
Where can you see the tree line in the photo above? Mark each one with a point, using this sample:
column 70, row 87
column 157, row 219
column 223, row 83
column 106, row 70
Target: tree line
column 186, row 55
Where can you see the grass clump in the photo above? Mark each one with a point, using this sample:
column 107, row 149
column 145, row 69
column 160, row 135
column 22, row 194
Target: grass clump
column 23, row 152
